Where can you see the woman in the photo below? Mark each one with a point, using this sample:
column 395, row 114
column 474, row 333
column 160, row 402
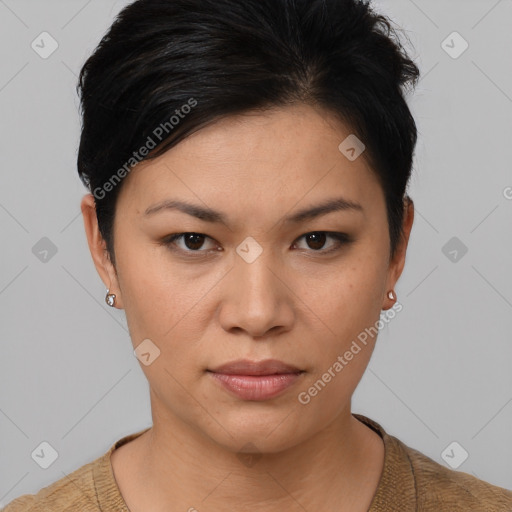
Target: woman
column 248, row 165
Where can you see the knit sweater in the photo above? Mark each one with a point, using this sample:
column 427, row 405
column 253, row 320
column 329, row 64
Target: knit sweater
column 410, row 481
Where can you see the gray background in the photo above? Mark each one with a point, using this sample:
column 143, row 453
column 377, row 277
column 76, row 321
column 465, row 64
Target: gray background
column 441, row 369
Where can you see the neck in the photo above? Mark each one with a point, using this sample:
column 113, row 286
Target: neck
column 182, row 469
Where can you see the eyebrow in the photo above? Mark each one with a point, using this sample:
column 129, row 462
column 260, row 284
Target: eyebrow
column 209, row 215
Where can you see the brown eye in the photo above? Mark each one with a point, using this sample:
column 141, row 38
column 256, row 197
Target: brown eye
column 191, row 242
column 316, row 241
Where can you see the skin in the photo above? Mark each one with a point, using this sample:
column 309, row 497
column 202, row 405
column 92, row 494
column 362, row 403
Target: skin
column 292, row 303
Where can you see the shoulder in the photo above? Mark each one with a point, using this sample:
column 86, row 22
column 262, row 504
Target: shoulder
column 75, row 491
column 410, row 480
column 90, row 488
column 441, row 488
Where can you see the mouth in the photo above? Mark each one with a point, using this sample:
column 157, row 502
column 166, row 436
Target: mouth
column 256, row 380
column 247, row 367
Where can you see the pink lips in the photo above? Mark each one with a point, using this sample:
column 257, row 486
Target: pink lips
column 251, row 380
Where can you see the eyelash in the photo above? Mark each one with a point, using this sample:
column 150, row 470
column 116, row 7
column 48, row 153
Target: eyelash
column 342, row 240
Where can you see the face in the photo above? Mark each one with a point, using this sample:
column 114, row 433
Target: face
column 251, row 279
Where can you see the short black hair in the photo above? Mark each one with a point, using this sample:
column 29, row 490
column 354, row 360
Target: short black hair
column 166, row 68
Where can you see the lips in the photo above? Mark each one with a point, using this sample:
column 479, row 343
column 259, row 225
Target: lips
column 247, row 367
column 256, row 380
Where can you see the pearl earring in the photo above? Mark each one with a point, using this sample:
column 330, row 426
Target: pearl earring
column 110, row 299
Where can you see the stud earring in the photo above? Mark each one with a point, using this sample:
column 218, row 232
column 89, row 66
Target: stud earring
column 392, row 295
column 110, row 299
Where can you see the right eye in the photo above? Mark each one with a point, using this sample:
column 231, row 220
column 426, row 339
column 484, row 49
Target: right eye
column 192, row 242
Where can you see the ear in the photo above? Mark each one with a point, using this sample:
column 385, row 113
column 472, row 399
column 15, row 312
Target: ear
column 97, row 246
column 396, row 265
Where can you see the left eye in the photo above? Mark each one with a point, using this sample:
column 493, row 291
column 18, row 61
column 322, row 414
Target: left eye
column 315, row 240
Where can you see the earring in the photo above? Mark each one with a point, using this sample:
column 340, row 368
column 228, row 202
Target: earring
column 110, row 299
column 392, row 295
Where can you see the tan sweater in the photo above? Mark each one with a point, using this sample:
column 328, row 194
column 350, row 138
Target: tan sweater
column 410, row 481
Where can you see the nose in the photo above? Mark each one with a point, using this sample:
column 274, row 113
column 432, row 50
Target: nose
column 257, row 299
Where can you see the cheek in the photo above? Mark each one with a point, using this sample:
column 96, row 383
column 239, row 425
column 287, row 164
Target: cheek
column 150, row 299
column 349, row 309
column 349, row 299
column 349, row 315
column 164, row 303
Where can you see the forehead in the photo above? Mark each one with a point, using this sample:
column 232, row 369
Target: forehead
column 256, row 160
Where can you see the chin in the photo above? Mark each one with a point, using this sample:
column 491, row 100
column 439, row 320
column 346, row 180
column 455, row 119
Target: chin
column 257, row 431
